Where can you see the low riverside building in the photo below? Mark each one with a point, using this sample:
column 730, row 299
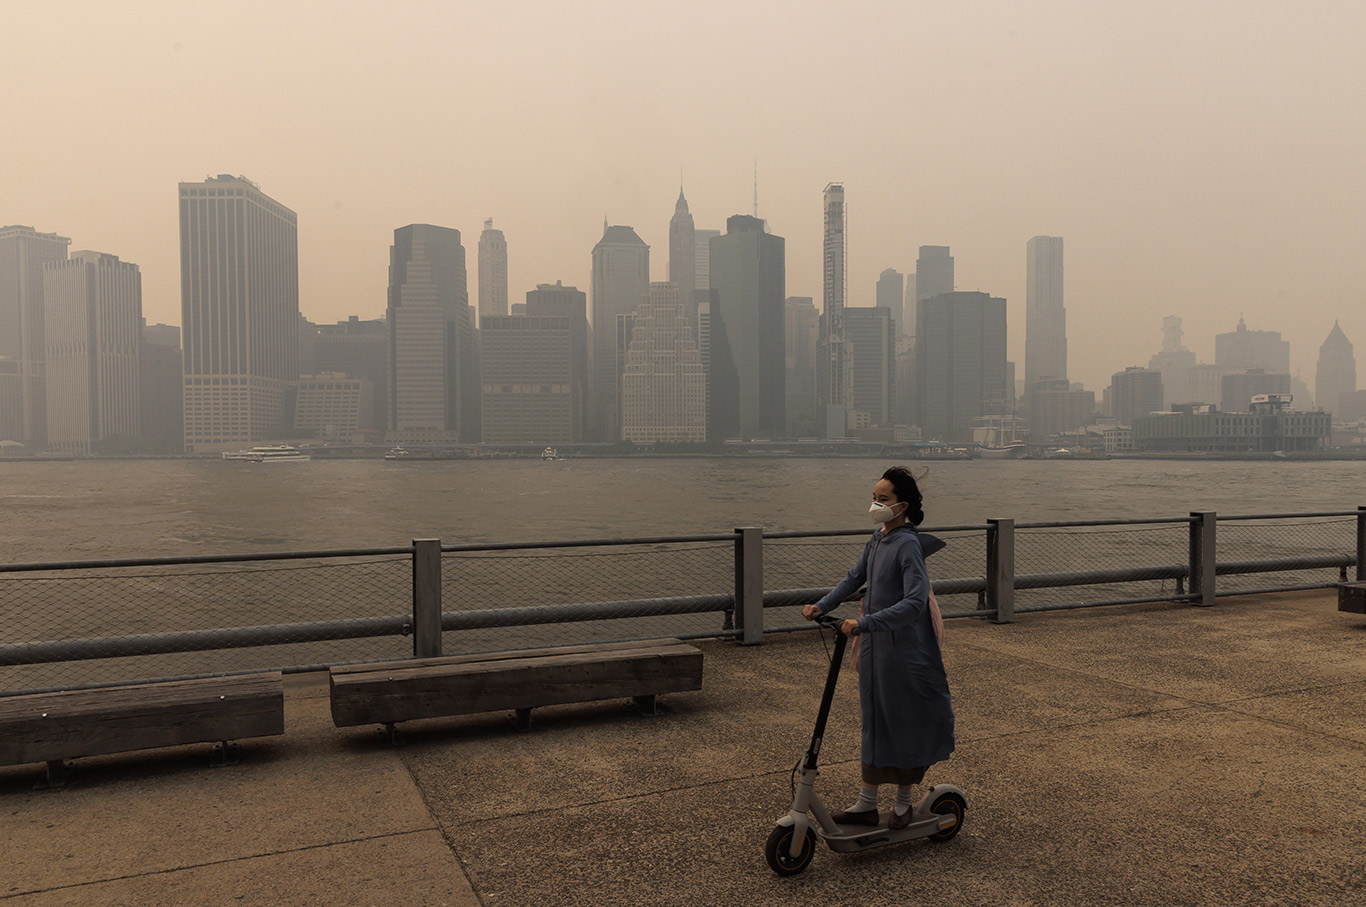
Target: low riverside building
column 1201, row 428
column 335, row 406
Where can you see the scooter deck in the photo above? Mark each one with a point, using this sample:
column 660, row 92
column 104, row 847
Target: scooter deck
column 861, row 837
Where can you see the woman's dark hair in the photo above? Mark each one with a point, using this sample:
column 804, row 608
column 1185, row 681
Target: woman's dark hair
column 903, row 483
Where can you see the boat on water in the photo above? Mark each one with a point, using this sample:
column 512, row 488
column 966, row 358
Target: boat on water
column 550, row 453
column 941, row 452
column 399, row 453
column 1009, row 452
column 268, row 453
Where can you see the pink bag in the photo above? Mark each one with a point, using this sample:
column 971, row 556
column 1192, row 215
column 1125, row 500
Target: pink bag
column 935, row 618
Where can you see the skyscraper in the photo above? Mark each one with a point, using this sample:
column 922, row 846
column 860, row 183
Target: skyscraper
column 1174, row 362
column 1241, row 349
column 683, row 256
column 871, row 338
column 1135, row 392
column 832, row 372
column 663, row 385
column 891, row 286
column 960, row 362
column 433, row 348
column 93, row 331
column 239, row 300
column 1337, row 370
column 702, row 258
column 1045, row 316
column 493, row 272
column 933, row 273
column 803, row 326
column 621, row 277
column 161, row 389
column 748, row 273
column 359, row 349
column 907, row 326
column 23, row 401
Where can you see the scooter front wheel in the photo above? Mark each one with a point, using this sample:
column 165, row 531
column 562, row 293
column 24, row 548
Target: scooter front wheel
column 778, row 851
column 949, row 805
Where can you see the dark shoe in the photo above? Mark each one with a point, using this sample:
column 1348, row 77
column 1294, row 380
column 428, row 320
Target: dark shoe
column 866, row 817
column 901, row 820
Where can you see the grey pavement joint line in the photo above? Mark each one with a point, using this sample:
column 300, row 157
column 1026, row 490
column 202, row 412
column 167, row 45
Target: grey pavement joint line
column 242, row 859
column 441, row 828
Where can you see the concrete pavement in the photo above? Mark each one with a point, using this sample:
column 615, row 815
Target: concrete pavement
column 1153, row 755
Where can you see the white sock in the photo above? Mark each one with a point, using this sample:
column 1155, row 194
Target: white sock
column 905, row 798
column 867, row 799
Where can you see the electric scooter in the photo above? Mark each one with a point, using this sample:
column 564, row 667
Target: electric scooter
column 937, row 816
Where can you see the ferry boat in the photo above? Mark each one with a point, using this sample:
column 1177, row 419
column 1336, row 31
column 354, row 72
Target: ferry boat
column 268, row 453
column 399, row 453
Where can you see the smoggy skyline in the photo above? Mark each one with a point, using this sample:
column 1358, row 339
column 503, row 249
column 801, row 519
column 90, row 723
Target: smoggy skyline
column 1199, row 159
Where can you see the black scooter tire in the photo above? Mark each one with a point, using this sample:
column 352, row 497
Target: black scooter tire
column 777, row 847
column 949, row 805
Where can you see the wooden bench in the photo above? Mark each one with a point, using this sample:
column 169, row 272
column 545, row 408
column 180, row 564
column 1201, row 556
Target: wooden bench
column 392, row 691
column 1352, row 597
column 52, row 727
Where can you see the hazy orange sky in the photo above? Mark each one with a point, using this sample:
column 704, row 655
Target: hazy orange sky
column 1203, row 159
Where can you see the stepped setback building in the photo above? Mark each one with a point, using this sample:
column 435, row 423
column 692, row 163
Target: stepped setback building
column 663, row 384
column 493, row 272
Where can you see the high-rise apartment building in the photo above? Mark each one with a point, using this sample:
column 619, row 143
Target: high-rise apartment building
column 536, row 374
column 1241, row 349
column 803, row 326
column 748, row 273
column 621, row 277
column 1337, row 370
column 493, row 272
column 1045, row 315
column 663, row 384
column 358, row 349
column 24, row 253
column 161, row 388
column 960, row 362
column 239, row 300
column 891, row 288
column 92, row 308
column 870, row 335
column 434, row 385
column 832, row 374
column 1135, row 392
column 683, row 256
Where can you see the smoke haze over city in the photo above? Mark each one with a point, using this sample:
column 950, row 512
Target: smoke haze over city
column 1200, row 159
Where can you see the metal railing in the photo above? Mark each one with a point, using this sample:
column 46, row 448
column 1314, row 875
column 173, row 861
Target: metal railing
column 78, row 624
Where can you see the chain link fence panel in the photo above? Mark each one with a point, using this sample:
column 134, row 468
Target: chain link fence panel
column 1246, row 547
column 1152, row 553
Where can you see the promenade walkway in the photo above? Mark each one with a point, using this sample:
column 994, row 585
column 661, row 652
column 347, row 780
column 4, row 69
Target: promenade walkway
column 1148, row 755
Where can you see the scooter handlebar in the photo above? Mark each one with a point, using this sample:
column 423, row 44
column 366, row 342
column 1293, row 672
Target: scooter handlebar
column 834, row 623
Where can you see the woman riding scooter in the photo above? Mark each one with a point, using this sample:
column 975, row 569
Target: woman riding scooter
column 903, row 691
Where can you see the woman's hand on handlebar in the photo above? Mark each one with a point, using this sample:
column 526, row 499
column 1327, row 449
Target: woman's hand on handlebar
column 849, row 628
column 811, row 612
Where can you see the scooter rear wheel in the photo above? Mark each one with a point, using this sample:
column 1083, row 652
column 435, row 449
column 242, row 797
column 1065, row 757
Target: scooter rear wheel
column 949, row 805
column 777, row 851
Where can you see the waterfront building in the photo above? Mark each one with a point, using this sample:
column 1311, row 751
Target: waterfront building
column 748, row 273
column 1200, row 428
column 360, row 349
column 536, row 370
column 24, row 253
column 701, row 279
column 832, row 373
column 960, row 367
column 621, row 278
column 493, row 272
column 335, row 406
column 1337, row 370
column 434, row 386
column 663, row 384
column 1241, row 349
column 1135, row 392
column 1351, row 406
column 891, row 287
column 683, row 256
column 870, row 336
column 161, row 389
column 1174, row 363
column 1240, row 387
column 802, row 324
column 92, row 313
column 1055, row 408
column 1045, row 314
column 239, row 298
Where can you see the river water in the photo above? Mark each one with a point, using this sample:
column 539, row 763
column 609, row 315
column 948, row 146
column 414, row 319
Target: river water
column 139, row 508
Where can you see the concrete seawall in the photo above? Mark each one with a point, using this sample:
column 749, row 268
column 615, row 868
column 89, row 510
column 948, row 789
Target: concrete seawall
column 1152, row 755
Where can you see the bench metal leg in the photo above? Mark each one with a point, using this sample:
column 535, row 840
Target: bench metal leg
column 522, row 720
column 55, row 777
column 648, row 705
column 389, row 735
column 224, row 754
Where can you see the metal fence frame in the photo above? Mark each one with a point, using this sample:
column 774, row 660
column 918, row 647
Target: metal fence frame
column 742, row 608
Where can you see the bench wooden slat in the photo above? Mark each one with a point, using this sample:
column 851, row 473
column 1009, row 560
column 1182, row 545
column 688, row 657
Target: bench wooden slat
column 53, row 726
column 432, row 688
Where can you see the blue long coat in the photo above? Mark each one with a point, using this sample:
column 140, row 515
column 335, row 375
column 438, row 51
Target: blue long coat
column 903, row 691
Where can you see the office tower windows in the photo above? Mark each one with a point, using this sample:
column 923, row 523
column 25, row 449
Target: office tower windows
column 663, row 385
column 1045, row 315
column 871, row 340
column 23, row 352
column 493, row 272
column 621, row 277
column 960, row 363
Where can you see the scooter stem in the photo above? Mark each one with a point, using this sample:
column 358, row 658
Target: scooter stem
column 831, row 678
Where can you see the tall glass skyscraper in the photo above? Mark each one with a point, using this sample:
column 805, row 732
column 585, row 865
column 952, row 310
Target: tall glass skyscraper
column 621, row 278
column 239, row 303
column 748, row 274
column 23, row 353
column 832, row 375
column 1045, row 316
column 493, row 272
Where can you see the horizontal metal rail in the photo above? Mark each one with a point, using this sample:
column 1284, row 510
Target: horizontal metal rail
column 203, row 559
column 1072, row 606
column 1077, row 524
column 1280, row 565
column 1097, row 577
column 489, row 618
column 1287, row 516
column 587, row 543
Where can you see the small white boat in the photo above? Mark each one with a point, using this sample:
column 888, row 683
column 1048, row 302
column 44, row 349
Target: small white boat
column 550, row 453
column 269, row 453
column 399, row 453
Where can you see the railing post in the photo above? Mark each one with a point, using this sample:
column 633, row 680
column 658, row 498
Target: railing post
column 1001, row 570
column 1361, row 543
column 426, row 598
column 749, row 585
column 1202, row 557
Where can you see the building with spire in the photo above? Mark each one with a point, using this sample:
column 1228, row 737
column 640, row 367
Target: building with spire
column 832, row 374
column 1241, row 349
column 1337, row 371
column 493, row 272
column 683, row 256
column 621, row 278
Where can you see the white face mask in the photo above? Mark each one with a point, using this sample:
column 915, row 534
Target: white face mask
column 881, row 513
